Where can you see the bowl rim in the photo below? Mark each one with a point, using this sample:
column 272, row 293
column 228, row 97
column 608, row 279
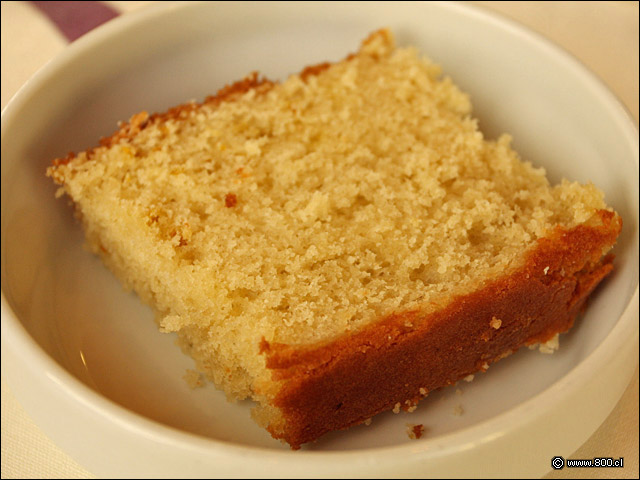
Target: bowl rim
column 42, row 364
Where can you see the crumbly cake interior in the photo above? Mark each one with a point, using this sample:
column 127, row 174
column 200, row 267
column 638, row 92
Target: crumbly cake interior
column 311, row 208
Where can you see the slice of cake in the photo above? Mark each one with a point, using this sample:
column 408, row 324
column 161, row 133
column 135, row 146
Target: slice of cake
column 341, row 243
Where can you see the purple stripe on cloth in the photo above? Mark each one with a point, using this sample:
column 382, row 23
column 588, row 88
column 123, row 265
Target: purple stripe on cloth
column 74, row 19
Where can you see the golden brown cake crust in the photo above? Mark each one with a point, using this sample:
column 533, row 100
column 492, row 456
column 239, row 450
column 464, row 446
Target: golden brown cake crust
column 406, row 355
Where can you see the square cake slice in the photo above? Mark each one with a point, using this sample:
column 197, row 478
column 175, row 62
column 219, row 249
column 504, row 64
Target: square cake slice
column 341, row 243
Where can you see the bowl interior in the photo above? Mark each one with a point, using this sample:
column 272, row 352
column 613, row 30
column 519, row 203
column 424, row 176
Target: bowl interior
column 78, row 313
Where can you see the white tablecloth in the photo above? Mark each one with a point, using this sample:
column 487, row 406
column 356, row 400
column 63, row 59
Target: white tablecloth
column 603, row 35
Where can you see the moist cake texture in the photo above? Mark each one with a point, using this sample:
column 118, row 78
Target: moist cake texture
column 339, row 243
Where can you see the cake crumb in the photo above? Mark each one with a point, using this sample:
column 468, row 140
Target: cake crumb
column 194, row 379
column 469, row 378
column 410, row 405
column 415, row 431
column 485, row 366
column 396, row 407
column 546, row 270
column 424, row 392
column 367, row 422
column 495, row 323
column 550, row 346
column 458, row 410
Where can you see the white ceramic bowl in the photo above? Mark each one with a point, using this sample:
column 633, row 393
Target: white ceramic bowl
column 85, row 358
